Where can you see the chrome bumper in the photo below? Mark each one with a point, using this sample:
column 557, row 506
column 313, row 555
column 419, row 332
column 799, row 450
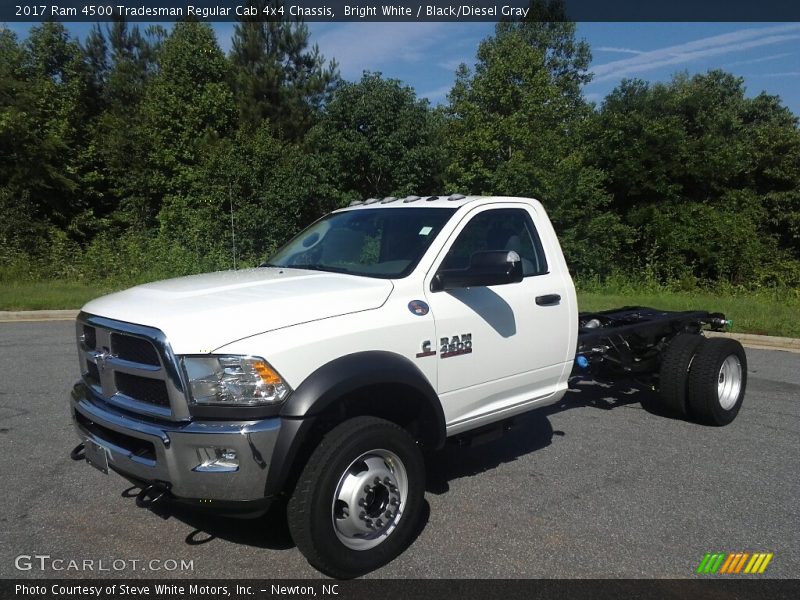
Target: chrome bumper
column 151, row 451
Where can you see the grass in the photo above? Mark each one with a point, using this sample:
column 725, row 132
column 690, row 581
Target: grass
column 40, row 295
column 760, row 313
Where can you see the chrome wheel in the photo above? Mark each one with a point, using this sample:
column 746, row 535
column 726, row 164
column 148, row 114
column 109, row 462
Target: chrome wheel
column 729, row 382
column 369, row 499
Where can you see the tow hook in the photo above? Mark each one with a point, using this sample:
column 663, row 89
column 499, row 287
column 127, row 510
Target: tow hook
column 78, row 452
column 152, row 495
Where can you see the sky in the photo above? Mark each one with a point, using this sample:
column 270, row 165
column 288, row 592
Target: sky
column 426, row 55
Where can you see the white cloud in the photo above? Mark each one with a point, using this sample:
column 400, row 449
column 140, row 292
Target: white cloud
column 620, row 50
column 361, row 47
column 753, row 61
column 717, row 45
column 784, row 74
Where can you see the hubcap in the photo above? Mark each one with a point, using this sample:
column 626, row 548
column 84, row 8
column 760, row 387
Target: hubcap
column 729, row 382
column 369, row 499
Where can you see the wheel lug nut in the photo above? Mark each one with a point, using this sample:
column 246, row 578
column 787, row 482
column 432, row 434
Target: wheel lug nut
column 367, row 489
column 376, row 481
column 387, row 481
column 388, row 514
column 363, row 515
column 379, row 523
column 394, row 502
column 362, row 502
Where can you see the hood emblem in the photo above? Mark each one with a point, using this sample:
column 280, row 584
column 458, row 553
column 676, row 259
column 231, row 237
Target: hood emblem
column 102, row 357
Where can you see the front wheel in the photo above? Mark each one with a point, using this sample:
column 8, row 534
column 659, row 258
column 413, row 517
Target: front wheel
column 358, row 501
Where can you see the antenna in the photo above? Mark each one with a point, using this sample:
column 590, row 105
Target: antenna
column 233, row 231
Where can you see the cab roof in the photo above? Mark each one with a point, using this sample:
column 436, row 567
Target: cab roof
column 444, row 201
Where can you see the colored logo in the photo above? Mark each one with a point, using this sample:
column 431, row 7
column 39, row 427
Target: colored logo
column 418, row 307
column 723, row 563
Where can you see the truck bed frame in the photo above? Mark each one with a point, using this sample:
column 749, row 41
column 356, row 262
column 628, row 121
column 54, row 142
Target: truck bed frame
column 629, row 341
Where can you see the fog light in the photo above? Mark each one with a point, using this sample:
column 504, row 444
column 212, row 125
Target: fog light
column 217, row 460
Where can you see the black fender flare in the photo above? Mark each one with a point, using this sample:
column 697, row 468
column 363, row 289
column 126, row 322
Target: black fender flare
column 333, row 381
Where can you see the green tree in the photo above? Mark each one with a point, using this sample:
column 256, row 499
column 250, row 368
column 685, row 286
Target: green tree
column 377, row 139
column 42, row 127
column 707, row 177
column 188, row 109
column 119, row 147
column 517, row 126
column 261, row 190
column 277, row 75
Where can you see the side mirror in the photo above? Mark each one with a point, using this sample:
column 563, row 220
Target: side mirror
column 493, row 267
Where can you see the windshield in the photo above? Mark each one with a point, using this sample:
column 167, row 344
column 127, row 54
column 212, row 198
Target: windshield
column 377, row 242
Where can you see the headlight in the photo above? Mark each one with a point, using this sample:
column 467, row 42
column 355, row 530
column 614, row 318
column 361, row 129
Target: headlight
column 233, row 381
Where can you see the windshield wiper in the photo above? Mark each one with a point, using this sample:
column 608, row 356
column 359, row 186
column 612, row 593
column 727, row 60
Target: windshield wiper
column 309, row 267
column 333, row 269
column 325, row 268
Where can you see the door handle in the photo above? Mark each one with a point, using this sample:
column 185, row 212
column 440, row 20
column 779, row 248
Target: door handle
column 548, row 300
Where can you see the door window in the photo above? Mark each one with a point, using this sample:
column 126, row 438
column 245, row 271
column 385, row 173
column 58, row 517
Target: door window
column 499, row 229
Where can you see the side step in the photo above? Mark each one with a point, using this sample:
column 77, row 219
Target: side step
column 482, row 435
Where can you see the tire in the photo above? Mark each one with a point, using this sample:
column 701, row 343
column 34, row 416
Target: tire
column 673, row 380
column 717, row 382
column 335, row 533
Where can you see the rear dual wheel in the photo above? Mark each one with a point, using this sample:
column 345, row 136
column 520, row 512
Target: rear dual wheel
column 704, row 379
column 674, row 372
column 717, row 381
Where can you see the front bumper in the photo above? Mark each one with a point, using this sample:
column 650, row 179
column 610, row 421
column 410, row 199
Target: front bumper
column 152, row 451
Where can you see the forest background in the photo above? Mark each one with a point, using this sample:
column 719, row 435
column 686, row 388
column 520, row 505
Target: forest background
column 141, row 153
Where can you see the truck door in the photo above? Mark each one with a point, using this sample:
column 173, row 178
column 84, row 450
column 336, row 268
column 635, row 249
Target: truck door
column 499, row 346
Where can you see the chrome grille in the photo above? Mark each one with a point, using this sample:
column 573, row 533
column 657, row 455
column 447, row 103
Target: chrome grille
column 134, row 349
column 152, row 391
column 131, row 366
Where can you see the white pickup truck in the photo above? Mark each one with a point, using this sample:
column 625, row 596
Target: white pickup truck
column 383, row 329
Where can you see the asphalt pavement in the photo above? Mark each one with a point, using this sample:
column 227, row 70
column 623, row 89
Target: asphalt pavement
column 596, row 486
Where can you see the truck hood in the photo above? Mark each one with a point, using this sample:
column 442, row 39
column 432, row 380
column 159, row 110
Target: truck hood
column 200, row 313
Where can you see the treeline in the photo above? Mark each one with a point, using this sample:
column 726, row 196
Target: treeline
column 140, row 153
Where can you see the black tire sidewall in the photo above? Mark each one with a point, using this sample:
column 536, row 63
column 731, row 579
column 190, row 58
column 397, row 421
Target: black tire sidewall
column 674, row 371
column 329, row 463
column 704, row 400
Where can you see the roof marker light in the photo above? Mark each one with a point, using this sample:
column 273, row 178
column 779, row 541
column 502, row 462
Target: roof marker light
column 455, row 197
column 389, row 199
column 411, row 199
column 355, row 203
column 371, row 200
column 431, row 198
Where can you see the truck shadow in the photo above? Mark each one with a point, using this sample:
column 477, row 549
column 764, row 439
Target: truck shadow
column 608, row 396
column 533, row 431
column 269, row 531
